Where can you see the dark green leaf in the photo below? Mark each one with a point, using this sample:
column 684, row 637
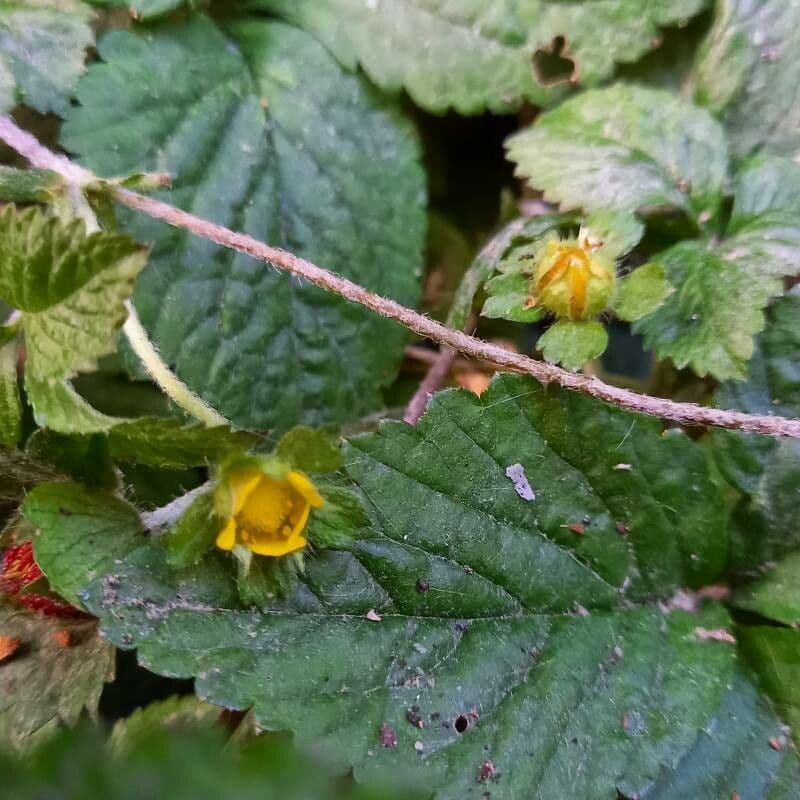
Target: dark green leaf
column 749, row 72
column 764, row 469
column 275, row 140
column 775, row 655
column 472, row 56
column 625, row 148
column 173, row 444
column 776, row 595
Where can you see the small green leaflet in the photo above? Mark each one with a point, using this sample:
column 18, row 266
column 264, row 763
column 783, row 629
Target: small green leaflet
column 262, row 131
column 472, row 56
column 42, row 48
column 573, row 343
column 625, row 148
column 721, row 289
column 748, row 72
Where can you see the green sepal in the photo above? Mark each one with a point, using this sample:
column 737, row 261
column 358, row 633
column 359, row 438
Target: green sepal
column 311, row 449
column 334, row 525
column 261, row 579
column 193, row 535
column 573, row 343
column 641, row 292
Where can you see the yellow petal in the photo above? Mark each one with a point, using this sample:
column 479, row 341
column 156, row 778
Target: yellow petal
column 242, row 484
column 278, row 547
column 303, row 485
column 227, row 536
column 300, row 525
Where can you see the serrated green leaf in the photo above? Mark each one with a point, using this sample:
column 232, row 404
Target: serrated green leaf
column 42, row 44
column 472, row 586
column 625, row 148
column 573, row 343
column 709, row 321
column 765, row 184
column 173, row 444
column 775, row 655
column 193, row 535
column 28, row 185
column 640, row 292
column 45, row 685
column 748, row 72
column 776, row 595
column 276, row 141
column 475, row 55
column 71, row 287
column 311, row 450
column 10, row 405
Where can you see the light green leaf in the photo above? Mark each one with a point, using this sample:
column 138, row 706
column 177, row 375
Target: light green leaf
column 765, row 184
column 640, row 292
column 619, row 232
column 59, row 407
column 776, row 595
column 29, row 185
column 504, row 303
column 775, row 655
column 573, row 342
column 748, row 72
column 95, row 521
column 277, row 141
column 10, row 406
column 708, row 322
column 45, row 685
column 70, row 286
column 476, row 55
column 42, row 48
column 173, row 444
column 625, row 148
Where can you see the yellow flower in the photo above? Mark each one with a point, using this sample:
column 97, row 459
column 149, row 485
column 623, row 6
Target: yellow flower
column 266, row 514
column 573, row 278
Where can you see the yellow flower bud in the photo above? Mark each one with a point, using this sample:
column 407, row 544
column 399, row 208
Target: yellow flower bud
column 573, row 278
column 265, row 513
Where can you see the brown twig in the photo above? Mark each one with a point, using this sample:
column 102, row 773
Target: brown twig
column 433, row 379
column 682, row 413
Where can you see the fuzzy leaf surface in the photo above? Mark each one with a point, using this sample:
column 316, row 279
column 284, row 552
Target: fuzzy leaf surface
column 748, row 72
column 625, row 148
column 478, row 55
column 42, row 44
column 277, row 141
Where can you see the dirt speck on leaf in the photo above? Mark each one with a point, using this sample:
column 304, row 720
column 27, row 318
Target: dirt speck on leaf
column 387, row 736
column 516, row 473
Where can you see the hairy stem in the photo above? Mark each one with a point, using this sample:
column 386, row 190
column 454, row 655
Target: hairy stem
column 683, row 413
